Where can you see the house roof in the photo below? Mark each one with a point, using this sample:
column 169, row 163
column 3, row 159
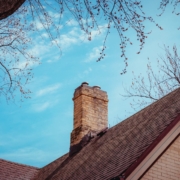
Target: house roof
column 15, row 171
column 121, row 147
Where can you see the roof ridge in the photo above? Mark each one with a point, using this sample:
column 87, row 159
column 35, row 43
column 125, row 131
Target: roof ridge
column 19, row 164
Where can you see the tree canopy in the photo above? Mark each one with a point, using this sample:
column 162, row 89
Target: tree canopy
column 8, row 7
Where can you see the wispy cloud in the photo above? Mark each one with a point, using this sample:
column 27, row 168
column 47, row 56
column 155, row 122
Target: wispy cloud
column 54, row 59
column 76, row 36
column 39, row 107
column 39, row 48
column 67, row 40
column 94, row 55
column 72, row 22
column 39, row 25
column 27, row 64
column 85, row 73
column 48, row 90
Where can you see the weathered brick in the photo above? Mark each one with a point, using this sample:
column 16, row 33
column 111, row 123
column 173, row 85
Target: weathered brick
column 90, row 111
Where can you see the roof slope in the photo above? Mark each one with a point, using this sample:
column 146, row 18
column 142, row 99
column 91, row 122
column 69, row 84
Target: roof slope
column 52, row 167
column 112, row 154
column 14, row 171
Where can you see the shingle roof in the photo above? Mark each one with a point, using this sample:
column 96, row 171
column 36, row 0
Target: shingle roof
column 14, row 171
column 52, row 167
column 122, row 145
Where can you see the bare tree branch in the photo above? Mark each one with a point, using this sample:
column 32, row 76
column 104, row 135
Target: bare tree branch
column 7, row 71
column 15, row 60
column 157, row 85
column 90, row 15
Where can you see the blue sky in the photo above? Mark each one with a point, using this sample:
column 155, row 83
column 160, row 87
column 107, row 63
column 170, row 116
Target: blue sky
column 37, row 131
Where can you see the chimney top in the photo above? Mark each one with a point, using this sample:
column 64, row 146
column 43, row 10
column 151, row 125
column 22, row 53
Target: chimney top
column 85, row 83
column 96, row 87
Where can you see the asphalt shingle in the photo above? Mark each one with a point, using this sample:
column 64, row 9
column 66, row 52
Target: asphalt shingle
column 14, row 171
column 113, row 153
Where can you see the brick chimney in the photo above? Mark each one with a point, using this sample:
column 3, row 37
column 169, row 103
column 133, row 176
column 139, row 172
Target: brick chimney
column 90, row 112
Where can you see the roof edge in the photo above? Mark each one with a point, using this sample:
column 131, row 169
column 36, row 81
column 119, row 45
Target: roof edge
column 151, row 147
column 19, row 164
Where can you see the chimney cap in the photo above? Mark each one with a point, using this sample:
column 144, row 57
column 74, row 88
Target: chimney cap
column 97, row 87
column 85, row 83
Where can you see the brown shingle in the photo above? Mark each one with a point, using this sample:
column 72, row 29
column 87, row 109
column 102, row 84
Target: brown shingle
column 113, row 153
column 14, row 171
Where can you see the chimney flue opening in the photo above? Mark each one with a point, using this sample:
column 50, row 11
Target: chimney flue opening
column 96, row 87
column 85, row 83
